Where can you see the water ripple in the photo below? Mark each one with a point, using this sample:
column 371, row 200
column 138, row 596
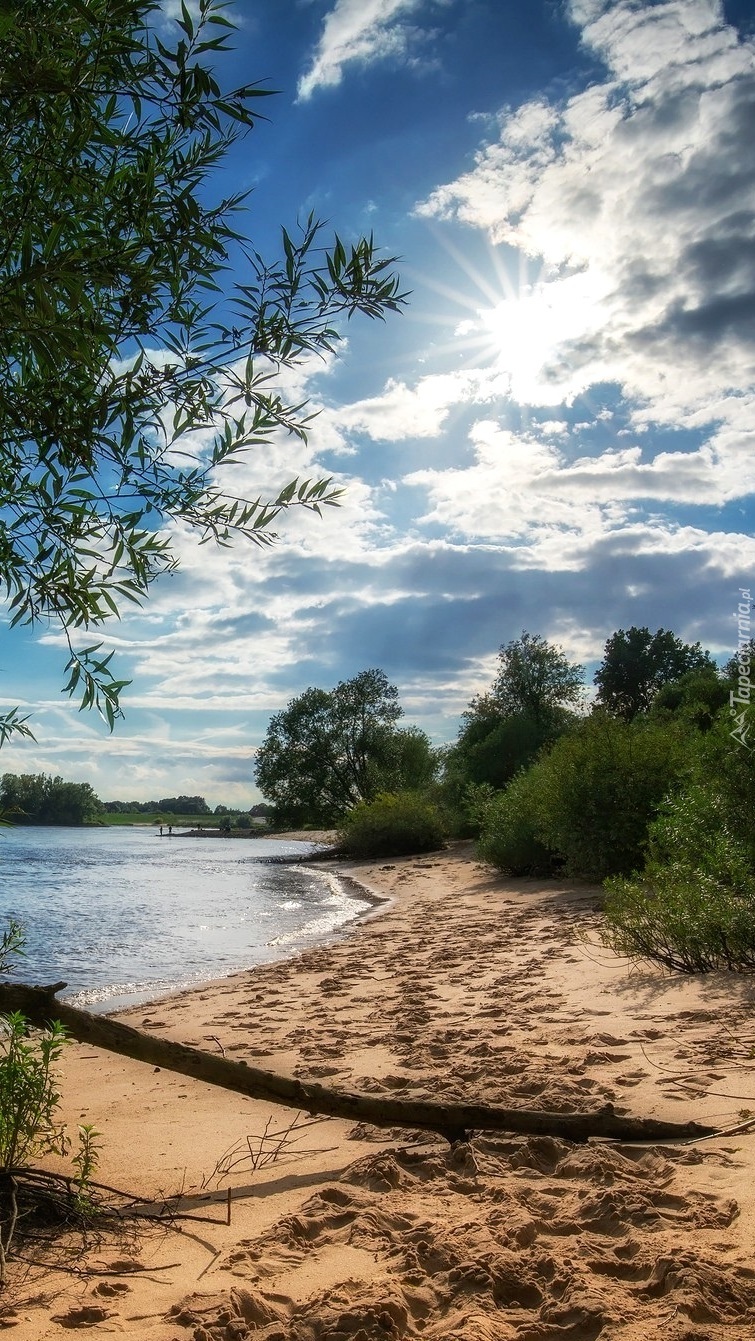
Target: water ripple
column 124, row 916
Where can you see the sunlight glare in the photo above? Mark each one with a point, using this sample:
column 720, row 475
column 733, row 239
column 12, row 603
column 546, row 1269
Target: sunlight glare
column 525, row 333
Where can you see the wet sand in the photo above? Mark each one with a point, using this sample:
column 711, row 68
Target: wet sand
column 464, row 985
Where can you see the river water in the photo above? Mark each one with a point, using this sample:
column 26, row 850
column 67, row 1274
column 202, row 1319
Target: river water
column 124, row 916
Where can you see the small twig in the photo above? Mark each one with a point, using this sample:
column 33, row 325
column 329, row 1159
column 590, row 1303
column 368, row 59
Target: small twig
column 687, row 1078
column 167, row 1215
column 94, row 1271
column 211, row 1263
column 725, row 1131
column 32, row 1175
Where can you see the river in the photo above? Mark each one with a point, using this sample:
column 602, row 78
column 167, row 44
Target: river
column 124, row 916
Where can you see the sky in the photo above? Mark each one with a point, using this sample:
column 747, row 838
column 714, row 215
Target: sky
column 556, row 435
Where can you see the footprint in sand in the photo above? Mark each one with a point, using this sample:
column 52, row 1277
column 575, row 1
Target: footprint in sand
column 110, row 1289
column 82, row 1317
column 630, row 1078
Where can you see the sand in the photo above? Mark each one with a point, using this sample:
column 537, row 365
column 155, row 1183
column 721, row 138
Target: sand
column 464, row 984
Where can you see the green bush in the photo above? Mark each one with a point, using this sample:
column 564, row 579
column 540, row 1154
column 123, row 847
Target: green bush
column 509, row 837
column 29, row 1121
column 696, row 831
column 596, row 792
column 693, row 907
column 688, row 921
column 393, row 825
column 730, row 761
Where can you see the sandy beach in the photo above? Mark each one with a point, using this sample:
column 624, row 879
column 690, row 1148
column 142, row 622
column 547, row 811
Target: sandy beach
column 463, row 984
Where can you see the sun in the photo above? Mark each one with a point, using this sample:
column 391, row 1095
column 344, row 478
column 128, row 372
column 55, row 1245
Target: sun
column 522, row 323
column 531, row 335
column 522, row 338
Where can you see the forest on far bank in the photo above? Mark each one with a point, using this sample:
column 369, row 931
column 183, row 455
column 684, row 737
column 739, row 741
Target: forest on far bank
column 38, row 798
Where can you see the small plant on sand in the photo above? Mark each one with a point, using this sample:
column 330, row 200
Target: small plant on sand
column 29, row 1123
column 28, row 1096
column 692, row 908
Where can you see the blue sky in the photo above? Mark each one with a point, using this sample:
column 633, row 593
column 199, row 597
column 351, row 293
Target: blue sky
column 556, row 435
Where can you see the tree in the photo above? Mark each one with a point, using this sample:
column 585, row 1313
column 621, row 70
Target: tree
column 129, row 375
column 327, row 751
column 41, row 799
column 492, row 749
column 527, row 707
column 535, row 679
column 637, row 662
column 412, row 763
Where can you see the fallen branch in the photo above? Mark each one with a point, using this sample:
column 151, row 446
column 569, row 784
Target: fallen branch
column 451, row 1120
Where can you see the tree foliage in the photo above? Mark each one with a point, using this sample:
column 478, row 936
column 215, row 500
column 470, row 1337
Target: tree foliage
column 527, row 707
column 37, row 798
column 636, row 663
column 535, row 679
column 589, row 800
column 601, row 786
column 510, row 829
column 696, row 698
column 492, row 749
column 329, row 750
column 130, row 370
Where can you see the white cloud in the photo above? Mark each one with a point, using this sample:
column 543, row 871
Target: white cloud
column 360, row 31
column 419, row 411
column 522, row 491
column 503, row 495
column 643, row 188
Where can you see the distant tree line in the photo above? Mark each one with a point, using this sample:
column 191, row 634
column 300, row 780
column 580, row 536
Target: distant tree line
column 36, row 798
column 169, row 805
column 180, row 805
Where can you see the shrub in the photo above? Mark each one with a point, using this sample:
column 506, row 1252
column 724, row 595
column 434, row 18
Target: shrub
column 599, row 788
column 693, row 907
column 393, row 825
column 687, row 921
column 730, row 760
column 28, row 1096
column 510, row 837
column 695, row 831
column 29, row 1121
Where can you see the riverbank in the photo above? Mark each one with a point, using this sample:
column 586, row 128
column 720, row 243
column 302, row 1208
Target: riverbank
column 465, row 985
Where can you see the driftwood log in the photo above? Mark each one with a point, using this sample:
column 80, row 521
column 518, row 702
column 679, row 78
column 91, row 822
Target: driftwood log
column 450, row 1120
